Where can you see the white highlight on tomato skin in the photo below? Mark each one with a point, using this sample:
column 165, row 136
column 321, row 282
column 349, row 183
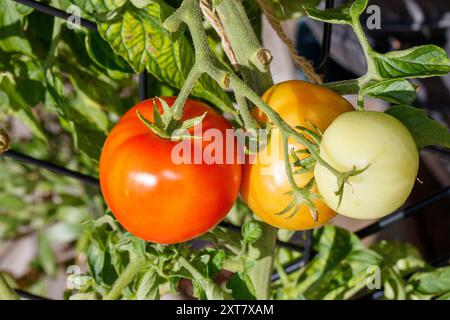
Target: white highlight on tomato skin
column 170, row 175
column 145, row 179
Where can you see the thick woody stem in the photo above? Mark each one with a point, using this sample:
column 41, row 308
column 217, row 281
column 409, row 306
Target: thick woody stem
column 214, row 20
column 252, row 58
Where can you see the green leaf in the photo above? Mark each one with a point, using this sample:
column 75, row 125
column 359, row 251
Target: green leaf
column 9, row 202
column 147, row 287
column 339, row 269
column 140, row 3
column 434, row 282
column 340, row 15
column 100, row 92
column 291, row 9
column 92, row 7
column 102, row 54
column 87, row 136
column 13, row 102
column 241, row 286
column 23, row 9
column 399, row 260
column 399, row 91
column 424, row 130
column 445, row 296
column 417, row 62
column 357, row 7
column 216, row 263
column 344, row 87
column 251, row 231
column 403, row 257
column 393, row 284
column 140, row 38
column 99, row 258
column 209, row 261
column 11, row 36
column 84, row 296
column 46, row 257
column 203, row 286
column 89, row 139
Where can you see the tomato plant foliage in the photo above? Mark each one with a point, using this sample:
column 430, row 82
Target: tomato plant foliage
column 68, row 84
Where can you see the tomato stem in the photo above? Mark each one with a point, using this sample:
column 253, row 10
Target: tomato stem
column 212, row 290
column 56, row 37
column 343, row 87
column 252, row 58
column 367, row 49
column 249, row 121
column 126, row 277
column 188, row 86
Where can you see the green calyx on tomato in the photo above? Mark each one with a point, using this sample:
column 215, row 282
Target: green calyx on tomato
column 382, row 151
column 151, row 196
column 166, row 126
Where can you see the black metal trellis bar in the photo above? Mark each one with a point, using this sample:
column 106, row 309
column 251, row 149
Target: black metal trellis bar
column 57, row 13
column 308, row 250
column 50, row 166
column 403, row 213
column 326, row 43
column 143, row 85
column 441, row 261
column 29, row 296
column 439, row 150
column 290, row 268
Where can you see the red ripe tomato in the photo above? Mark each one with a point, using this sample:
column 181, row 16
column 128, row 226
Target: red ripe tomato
column 152, row 196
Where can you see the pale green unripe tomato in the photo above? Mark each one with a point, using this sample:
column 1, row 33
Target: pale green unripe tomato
column 359, row 138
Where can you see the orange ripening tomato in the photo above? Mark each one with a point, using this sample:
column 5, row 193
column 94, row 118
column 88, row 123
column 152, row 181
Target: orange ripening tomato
column 158, row 199
column 264, row 180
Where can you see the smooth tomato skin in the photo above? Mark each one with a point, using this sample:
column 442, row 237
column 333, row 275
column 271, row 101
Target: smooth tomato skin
column 366, row 137
column 264, row 181
column 151, row 196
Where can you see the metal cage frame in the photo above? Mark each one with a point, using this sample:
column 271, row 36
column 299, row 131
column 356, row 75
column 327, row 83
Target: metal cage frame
column 307, row 249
